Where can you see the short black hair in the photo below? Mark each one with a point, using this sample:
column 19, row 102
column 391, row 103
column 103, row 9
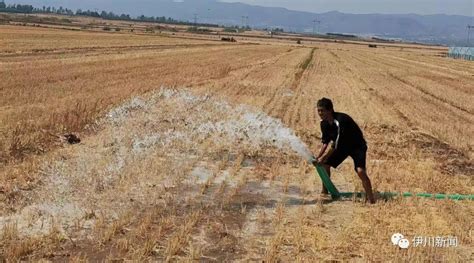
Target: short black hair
column 326, row 104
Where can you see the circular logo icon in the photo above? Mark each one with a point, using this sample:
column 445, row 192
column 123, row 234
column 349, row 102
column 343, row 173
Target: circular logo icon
column 396, row 237
column 403, row 243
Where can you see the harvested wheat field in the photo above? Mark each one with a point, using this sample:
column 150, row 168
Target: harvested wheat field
column 196, row 150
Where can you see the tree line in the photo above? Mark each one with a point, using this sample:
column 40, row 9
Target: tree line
column 29, row 9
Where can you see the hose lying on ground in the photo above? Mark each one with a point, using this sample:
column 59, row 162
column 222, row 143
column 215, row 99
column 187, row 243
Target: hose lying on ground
column 335, row 194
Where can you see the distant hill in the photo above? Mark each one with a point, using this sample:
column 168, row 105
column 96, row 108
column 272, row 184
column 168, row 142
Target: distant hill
column 443, row 29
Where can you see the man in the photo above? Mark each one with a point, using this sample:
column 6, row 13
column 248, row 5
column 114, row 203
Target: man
column 347, row 140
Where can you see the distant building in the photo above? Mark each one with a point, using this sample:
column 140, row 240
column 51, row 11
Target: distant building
column 461, row 52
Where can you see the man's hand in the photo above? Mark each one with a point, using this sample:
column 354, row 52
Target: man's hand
column 321, row 157
column 316, row 161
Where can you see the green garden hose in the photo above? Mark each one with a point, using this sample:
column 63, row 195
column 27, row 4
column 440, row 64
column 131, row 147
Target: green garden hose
column 335, row 194
column 327, row 182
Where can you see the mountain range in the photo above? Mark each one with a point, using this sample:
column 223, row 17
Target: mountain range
column 439, row 28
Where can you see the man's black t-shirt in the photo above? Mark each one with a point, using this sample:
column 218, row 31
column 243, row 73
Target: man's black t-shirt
column 344, row 132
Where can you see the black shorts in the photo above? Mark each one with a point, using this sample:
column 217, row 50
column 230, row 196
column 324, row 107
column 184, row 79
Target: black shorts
column 338, row 156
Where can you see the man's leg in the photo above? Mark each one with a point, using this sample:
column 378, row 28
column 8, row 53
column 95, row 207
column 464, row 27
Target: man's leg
column 362, row 173
column 327, row 167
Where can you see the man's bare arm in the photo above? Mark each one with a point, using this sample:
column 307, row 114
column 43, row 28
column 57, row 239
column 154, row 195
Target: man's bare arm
column 319, row 158
column 326, row 156
column 321, row 152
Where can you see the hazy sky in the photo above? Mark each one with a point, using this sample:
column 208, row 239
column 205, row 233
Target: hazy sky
column 456, row 7
column 453, row 7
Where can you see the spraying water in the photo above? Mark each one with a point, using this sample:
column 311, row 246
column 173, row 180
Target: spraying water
column 242, row 123
column 169, row 127
column 259, row 129
column 206, row 116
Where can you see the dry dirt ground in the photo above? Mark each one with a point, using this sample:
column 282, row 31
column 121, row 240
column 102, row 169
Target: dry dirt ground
column 194, row 149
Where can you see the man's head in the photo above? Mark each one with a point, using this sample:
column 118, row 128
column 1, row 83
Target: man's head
column 325, row 109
